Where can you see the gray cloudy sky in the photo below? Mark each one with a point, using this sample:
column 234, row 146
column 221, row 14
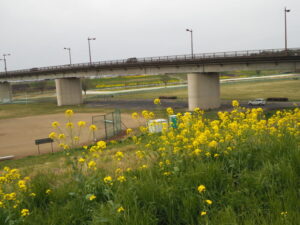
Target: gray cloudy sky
column 36, row 31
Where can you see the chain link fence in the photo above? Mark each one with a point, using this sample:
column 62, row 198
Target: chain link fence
column 108, row 125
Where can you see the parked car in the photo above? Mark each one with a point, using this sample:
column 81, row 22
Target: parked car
column 258, row 101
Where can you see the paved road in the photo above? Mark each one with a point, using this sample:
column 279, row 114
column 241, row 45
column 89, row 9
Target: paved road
column 138, row 104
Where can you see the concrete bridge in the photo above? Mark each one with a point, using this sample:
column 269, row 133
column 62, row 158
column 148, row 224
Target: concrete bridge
column 203, row 72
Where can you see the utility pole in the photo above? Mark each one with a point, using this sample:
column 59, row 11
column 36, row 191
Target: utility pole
column 90, row 39
column 4, row 59
column 192, row 42
column 69, row 49
column 285, row 26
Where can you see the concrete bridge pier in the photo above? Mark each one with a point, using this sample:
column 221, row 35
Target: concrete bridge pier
column 5, row 92
column 68, row 91
column 203, row 91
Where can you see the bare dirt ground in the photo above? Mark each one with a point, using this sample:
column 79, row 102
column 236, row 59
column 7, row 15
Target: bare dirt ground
column 18, row 135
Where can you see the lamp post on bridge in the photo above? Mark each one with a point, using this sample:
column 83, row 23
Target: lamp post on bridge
column 285, row 26
column 90, row 39
column 69, row 49
column 192, row 47
column 4, row 59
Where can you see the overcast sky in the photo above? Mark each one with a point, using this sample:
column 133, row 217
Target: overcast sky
column 35, row 32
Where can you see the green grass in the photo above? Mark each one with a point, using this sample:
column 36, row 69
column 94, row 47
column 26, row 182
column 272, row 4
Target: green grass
column 237, row 90
column 262, row 89
column 252, row 184
column 250, row 73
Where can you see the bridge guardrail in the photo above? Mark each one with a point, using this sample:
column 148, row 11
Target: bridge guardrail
column 162, row 59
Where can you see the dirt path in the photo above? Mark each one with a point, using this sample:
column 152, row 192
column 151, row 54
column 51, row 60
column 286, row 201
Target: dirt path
column 17, row 135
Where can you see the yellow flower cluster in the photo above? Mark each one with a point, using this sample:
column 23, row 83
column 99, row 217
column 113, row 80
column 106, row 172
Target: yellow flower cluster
column 108, row 180
column 119, row 155
column 25, row 212
column 157, row 82
column 157, row 101
column 70, row 136
column 197, row 136
column 13, row 189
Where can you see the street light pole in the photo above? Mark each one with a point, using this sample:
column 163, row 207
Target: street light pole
column 4, row 59
column 69, row 49
column 90, row 39
column 285, row 26
column 192, row 47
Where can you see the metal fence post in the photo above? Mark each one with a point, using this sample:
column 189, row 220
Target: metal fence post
column 105, row 127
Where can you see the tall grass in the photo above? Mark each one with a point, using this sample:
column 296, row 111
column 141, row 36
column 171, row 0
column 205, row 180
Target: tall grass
column 249, row 166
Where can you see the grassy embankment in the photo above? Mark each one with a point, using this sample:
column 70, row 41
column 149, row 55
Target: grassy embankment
column 240, row 169
column 237, row 90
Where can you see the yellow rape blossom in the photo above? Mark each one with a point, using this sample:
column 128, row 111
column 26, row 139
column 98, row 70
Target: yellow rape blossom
column 22, row 185
column 284, row 213
column 55, row 124
column 81, row 160
column 128, row 131
column 69, row 112
column 101, row 144
column 25, row 212
column 235, row 103
column 120, row 209
column 108, row 180
column 92, row 197
column 170, row 111
column 81, row 123
column 92, row 165
column 209, row 202
column 52, row 135
column 157, row 101
column 203, row 213
column 93, row 127
column 213, row 144
column 121, row 179
column 69, row 125
column 144, row 166
column 61, row 136
column 201, row 188
column 119, row 155
column 135, row 115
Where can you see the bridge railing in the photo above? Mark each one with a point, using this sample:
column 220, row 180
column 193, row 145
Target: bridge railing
column 164, row 59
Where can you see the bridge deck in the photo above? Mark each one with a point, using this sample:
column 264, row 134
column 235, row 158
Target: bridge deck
column 269, row 55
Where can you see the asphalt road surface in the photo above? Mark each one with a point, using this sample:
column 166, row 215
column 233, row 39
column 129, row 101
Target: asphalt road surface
column 178, row 104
